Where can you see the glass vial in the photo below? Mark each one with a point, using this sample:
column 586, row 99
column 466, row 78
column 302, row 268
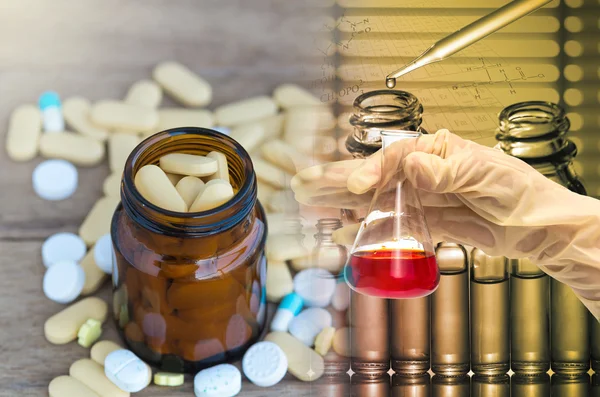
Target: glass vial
column 529, row 318
column 450, row 313
column 490, row 351
column 369, row 316
column 595, row 341
column 530, row 386
column 411, row 386
column 450, row 386
column 326, row 254
column 535, row 132
column 570, row 386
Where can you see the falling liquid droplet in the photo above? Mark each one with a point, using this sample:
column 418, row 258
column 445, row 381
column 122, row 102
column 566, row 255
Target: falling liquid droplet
column 390, row 82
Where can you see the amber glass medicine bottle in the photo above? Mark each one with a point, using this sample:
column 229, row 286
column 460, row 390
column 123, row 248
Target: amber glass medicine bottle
column 188, row 287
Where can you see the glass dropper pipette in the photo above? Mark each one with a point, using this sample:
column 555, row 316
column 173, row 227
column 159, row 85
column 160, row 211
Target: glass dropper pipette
column 468, row 35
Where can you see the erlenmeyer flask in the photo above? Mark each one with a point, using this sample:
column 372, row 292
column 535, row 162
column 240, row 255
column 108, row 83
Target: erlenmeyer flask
column 393, row 256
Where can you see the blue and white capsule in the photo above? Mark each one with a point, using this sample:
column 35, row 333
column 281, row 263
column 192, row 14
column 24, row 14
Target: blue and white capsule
column 52, row 115
column 289, row 308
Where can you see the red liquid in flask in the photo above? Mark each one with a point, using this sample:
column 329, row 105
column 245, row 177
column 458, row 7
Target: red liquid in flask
column 393, row 273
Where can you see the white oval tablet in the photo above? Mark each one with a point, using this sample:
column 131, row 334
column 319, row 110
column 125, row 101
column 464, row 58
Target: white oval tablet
column 265, row 364
column 103, row 253
column 63, row 247
column 63, row 281
column 315, row 286
column 54, row 179
column 309, row 323
column 222, row 380
column 127, row 371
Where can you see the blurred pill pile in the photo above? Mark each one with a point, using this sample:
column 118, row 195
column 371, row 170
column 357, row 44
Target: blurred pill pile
column 283, row 134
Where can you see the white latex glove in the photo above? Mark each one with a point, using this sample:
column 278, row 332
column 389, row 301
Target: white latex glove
column 478, row 196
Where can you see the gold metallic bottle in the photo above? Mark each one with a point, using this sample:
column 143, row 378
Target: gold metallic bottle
column 410, row 335
column 369, row 316
column 595, row 341
column 490, row 351
column 535, row 133
column 450, row 313
column 370, row 386
column 450, row 386
column 530, row 386
column 529, row 318
column 595, row 390
column 570, row 386
column 411, row 386
column 490, row 386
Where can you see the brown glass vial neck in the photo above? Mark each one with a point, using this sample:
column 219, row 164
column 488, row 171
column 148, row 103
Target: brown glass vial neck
column 199, row 141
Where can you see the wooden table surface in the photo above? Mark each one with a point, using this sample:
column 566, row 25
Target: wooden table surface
column 98, row 48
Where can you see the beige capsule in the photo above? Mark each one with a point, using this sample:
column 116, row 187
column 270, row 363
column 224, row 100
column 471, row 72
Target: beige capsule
column 182, row 84
column 78, row 149
column 245, row 111
column 144, row 93
column 222, row 168
column 102, row 349
column 250, row 136
column 189, row 187
column 76, row 111
column 112, row 185
column 94, row 276
column 97, row 222
column 66, row 386
column 120, row 146
column 91, row 374
column 119, row 115
column 292, row 95
column 62, row 327
column 284, row 156
column 154, row 185
column 270, row 174
column 24, row 130
column 188, row 164
column 215, row 193
column 176, row 117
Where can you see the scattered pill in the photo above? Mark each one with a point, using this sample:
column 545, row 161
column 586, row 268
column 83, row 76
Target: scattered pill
column 103, row 253
column 55, row 179
column 175, row 117
column 97, row 222
column 127, row 371
column 292, row 95
column 222, row 168
column 324, row 340
column 303, row 362
column 284, row 156
column 112, row 185
column 270, row 174
column 62, row 327
column 168, row 379
column 264, row 194
column 91, row 374
column 341, row 296
column 155, row 187
column 94, row 276
column 78, row 149
column 283, row 247
column 223, row 380
column 89, row 332
column 264, row 364
column 341, row 342
column 120, row 146
column 273, row 126
column 244, row 111
column 302, row 122
column 289, row 307
column 182, row 84
column 102, row 349
column 77, row 115
column 188, row 164
column 24, row 130
column 144, row 93
column 51, row 108
column 189, row 187
column 249, row 135
column 66, row 386
column 315, row 286
column 279, row 281
column 307, row 325
column 123, row 116
column 62, row 247
column 215, row 193
column 63, row 281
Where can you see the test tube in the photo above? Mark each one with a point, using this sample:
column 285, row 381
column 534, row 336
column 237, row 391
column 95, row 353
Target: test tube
column 410, row 335
column 369, row 334
column 370, row 386
column 529, row 318
column 411, row 386
column 595, row 340
column 569, row 332
column 570, row 386
column 450, row 386
column 490, row 386
column 530, row 386
column 490, row 351
column 450, row 313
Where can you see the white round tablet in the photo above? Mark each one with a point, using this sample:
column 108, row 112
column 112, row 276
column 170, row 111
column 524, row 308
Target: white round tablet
column 265, row 364
column 63, row 281
column 103, row 254
column 223, row 380
column 315, row 286
column 307, row 325
column 63, row 247
column 54, row 179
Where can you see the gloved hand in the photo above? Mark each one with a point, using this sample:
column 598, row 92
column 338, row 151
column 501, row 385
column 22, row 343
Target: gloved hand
column 477, row 196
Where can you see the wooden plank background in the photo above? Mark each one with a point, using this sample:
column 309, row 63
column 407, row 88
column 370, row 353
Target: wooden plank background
column 97, row 49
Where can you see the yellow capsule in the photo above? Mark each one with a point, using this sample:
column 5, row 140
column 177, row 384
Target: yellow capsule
column 168, row 379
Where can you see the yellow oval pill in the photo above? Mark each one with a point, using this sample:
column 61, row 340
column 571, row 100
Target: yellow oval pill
column 78, row 149
column 324, row 340
column 66, row 386
column 155, row 186
column 63, row 326
column 102, row 349
column 24, row 130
